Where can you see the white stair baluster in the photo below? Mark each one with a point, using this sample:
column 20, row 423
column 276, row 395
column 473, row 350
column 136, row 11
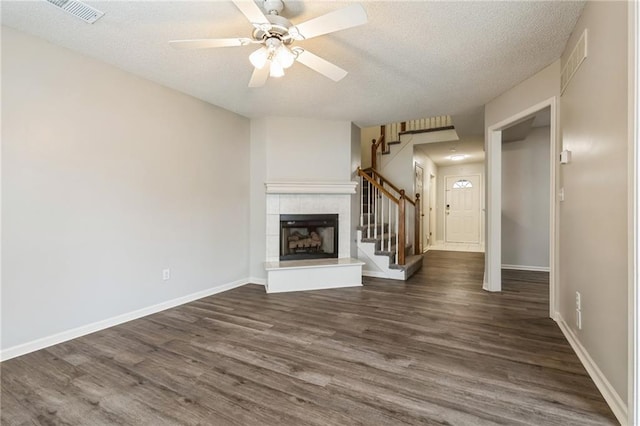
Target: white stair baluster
column 375, row 212
column 397, row 220
column 369, row 210
column 390, row 228
column 361, row 202
column 382, row 221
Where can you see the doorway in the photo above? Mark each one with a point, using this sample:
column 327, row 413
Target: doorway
column 432, row 208
column 493, row 259
column 462, row 209
column 419, row 186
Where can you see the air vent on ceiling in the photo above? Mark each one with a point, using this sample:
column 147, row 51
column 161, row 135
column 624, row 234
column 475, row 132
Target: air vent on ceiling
column 578, row 55
column 78, row 9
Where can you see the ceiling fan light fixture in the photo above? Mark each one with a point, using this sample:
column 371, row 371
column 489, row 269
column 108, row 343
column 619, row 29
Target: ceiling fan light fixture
column 259, row 58
column 457, row 157
column 284, row 56
column 276, row 69
column 276, row 34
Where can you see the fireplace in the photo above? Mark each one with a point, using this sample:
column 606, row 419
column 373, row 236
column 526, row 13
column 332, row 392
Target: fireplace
column 308, row 236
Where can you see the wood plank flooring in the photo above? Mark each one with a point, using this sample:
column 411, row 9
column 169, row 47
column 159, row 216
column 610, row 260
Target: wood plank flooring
column 436, row 350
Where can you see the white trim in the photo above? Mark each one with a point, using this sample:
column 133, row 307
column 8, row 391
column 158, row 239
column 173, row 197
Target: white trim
column 610, row 395
column 374, row 274
column 256, row 280
column 493, row 239
column 83, row 330
column 348, row 187
column 527, row 268
column 301, row 275
column 493, row 244
column 633, row 374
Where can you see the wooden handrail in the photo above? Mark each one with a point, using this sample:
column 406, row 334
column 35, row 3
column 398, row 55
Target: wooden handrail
column 372, row 176
column 377, row 185
column 379, row 181
column 382, row 178
column 386, row 181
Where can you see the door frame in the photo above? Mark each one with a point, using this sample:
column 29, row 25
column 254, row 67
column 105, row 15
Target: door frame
column 417, row 165
column 444, row 205
column 633, row 373
column 432, row 208
column 493, row 259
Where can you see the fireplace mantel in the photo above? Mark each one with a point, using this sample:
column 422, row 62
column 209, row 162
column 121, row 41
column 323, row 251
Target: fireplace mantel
column 301, row 187
column 310, row 198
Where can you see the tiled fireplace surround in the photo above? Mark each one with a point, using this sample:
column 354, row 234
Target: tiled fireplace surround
column 310, row 198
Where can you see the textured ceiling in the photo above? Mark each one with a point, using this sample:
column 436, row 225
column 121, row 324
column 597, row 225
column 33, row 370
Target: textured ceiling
column 472, row 147
column 411, row 60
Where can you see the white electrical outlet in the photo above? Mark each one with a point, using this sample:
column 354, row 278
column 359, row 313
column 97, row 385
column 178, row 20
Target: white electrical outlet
column 579, row 319
column 578, row 301
column 166, row 274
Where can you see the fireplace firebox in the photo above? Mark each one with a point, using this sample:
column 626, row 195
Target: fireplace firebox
column 308, row 236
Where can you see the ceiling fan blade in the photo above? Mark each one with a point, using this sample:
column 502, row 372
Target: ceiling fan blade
column 206, row 43
column 252, row 12
column 259, row 76
column 322, row 66
column 341, row 19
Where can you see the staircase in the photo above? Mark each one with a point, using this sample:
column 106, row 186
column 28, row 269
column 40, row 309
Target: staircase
column 388, row 235
column 390, row 134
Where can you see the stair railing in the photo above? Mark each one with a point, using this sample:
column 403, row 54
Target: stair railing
column 391, row 132
column 386, row 213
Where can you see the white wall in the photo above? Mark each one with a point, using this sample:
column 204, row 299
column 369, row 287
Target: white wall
column 293, row 149
column 258, row 211
column 355, row 198
column 538, row 88
column 106, row 180
column 593, row 217
column 307, row 149
column 397, row 166
column 525, row 200
column 457, row 170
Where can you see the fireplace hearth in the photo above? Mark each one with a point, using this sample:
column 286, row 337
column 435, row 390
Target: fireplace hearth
column 308, row 236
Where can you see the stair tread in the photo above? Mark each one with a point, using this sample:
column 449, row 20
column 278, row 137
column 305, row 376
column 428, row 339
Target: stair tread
column 378, row 238
column 409, row 262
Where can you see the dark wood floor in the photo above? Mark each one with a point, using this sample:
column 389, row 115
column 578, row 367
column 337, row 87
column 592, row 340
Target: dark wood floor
column 433, row 350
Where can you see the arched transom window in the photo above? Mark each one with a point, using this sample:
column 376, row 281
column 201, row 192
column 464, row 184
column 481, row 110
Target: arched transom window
column 462, row 183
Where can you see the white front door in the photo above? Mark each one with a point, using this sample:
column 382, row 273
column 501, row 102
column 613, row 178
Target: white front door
column 462, row 209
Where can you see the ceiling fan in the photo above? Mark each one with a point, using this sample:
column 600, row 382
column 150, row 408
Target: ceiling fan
column 277, row 36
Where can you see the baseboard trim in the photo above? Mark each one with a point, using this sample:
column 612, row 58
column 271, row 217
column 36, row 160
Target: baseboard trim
column 256, row 280
column 610, row 395
column 527, row 268
column 74, row 333
column 374, row 274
